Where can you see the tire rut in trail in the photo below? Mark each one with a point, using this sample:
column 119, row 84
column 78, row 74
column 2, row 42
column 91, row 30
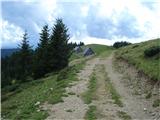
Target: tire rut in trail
column 106, row 109
column 73, row 106
column 133, row 105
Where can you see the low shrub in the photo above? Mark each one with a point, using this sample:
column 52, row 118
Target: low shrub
column 63, row 74
column 135, row 46
column 156, row 103
column 152, row 51
column 120, row 44
column 11, row 88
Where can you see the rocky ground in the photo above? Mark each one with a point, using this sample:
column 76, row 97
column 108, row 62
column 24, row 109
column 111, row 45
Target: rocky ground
column 131, row 87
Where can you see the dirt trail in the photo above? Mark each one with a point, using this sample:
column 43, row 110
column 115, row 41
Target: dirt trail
column 135, row 106
column 73, row 107
column 106, row 109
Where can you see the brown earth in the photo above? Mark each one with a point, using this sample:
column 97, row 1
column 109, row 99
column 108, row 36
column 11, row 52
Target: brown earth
column 131, row 87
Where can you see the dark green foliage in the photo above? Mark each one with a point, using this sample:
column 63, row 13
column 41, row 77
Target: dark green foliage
column 8, row 52
column 120, row 44
column 149, row 95
column 17, row 67
column 91, row 113
column 81, row 44
column 11, row 88
column 51, row 55
column 5, row 80
column 59, row 47
column 9, row 69
column 135, row 46
column 73, row 45
column 124, row 115
column 24, row 67
column 63, row 73
column 21, row 106
column 41, row 65
column 156, row 103
column 152, row 51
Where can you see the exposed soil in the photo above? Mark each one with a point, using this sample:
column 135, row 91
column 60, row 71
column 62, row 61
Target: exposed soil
column 136, row 105
column 73, row 107
column 132, row 88
column 106, row 109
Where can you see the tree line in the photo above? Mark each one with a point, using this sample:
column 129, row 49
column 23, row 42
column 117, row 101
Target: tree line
column 52, row 54
column 121, row 44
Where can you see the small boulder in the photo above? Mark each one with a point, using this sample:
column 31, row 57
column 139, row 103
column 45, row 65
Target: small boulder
column 145, row 109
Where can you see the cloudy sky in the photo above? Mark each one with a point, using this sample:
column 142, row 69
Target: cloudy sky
column 90, row 21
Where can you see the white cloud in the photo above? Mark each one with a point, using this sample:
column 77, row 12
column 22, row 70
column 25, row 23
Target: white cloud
column 146, row 19
column 11, row 34
column 84, row 10
column 44, row 9
column 94, row 40
column 36, row 27
column 48, row 7
column 95, row 13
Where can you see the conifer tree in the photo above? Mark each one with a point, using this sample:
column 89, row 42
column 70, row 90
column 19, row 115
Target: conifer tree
column 59, row 47
column 41, row 65
column 25, row 59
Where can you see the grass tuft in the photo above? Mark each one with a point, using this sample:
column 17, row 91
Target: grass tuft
column 69, row 110
column 123, row 115
column 156, row 103
column 115, row 95
column 89, row 95
column 71, row 93
column 91, row 113
column 149, row 95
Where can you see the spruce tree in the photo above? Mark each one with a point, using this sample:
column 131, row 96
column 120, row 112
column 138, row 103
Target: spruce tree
column 59, row 47
column 41, row 65
column 25, row 59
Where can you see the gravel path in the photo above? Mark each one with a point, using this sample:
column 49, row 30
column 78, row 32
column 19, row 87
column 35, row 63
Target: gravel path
column 136, row 106
column 73, row 106
column 106, row 109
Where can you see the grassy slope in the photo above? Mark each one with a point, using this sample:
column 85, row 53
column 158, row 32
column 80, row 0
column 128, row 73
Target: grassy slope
column 102, row 50
column 21, row 105
column 134, row 54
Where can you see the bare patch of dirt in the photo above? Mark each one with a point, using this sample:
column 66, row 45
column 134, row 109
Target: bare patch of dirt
column 137, row 106
column 73, row 106
column 106, row 109
column 136, row 94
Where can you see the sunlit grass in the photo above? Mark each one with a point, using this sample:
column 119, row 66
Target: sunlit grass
column 22, row 105
column 135, row 55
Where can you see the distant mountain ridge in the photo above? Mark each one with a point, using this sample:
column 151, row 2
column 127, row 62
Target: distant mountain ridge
column 8, row 52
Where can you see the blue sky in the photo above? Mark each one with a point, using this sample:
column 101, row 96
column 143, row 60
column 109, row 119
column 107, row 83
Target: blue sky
column 94, row 21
